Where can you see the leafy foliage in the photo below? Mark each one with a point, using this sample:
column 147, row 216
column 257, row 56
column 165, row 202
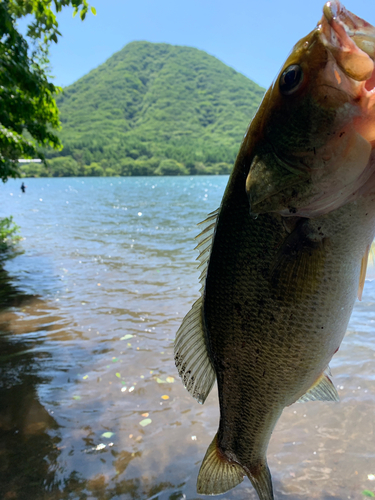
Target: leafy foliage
column 150, row 104
column 26, row 97
column 171, row 167
column 8, row 236
column 44, row 25
column 28, row 111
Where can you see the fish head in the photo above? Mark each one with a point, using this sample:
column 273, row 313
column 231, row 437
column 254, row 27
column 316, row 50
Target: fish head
column 310, row 144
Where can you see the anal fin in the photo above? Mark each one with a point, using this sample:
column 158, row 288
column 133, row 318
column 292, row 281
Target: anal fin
column 217, row 474
column 322, row 390
column 362, row 275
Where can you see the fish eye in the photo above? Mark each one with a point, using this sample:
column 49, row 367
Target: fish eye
column 291, row 79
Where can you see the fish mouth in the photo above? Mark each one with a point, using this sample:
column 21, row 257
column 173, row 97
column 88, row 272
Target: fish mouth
column 351, row 40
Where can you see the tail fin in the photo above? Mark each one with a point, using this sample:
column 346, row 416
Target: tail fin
column 261, row 480
column 217, row 474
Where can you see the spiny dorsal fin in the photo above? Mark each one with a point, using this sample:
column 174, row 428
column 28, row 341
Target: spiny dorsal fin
column 322, row 390
column 205, row 239
column 217, row 474
column 190, row 351
column 362, row 275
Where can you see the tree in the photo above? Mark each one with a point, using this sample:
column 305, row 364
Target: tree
column 28, row 111
column 64, row 166
column 171, row 167
column 93, row 170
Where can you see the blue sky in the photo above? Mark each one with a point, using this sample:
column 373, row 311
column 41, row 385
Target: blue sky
column 252, row 36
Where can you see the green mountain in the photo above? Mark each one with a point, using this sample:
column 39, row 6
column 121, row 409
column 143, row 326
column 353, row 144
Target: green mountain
column 154, row 108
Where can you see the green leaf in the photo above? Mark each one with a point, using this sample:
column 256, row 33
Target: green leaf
column 368, row 493
column 126, row 337
column 75, row 12
column 146, row 421
column 107, row 434
column 118, row 375
column 93, row 10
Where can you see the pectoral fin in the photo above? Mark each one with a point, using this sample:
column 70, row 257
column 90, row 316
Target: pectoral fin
column 322, row 390
column 299, row 262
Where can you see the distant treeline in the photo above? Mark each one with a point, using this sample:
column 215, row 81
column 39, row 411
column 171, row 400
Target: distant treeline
column 67, row 166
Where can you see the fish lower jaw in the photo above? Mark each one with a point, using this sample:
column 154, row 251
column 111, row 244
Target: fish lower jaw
column 350, row 40
column 369, row 86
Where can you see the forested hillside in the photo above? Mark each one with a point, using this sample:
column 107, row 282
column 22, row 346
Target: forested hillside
column 153, row 109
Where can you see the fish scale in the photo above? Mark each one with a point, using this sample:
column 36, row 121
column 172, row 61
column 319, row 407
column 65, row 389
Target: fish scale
column 285, row 256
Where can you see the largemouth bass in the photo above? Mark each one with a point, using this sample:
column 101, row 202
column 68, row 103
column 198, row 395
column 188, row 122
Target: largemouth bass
column 285, row 255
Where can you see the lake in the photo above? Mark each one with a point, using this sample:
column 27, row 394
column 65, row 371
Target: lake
column 91, row 405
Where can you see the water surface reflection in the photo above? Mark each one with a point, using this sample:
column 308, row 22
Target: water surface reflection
column 29, row 437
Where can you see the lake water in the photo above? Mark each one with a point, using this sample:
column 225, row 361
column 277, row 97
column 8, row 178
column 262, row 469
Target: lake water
column 88, row 315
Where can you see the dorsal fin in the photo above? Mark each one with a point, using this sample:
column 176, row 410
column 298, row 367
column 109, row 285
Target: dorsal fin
column 362, row 275
column 205, row 239
column 190, row 351
column 322, row 390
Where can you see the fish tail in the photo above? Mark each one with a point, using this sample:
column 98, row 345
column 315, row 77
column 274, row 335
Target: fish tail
column 217, row 473
column 260, row 478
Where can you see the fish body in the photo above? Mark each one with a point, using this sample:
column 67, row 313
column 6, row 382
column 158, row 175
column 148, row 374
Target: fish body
column 284, row 257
